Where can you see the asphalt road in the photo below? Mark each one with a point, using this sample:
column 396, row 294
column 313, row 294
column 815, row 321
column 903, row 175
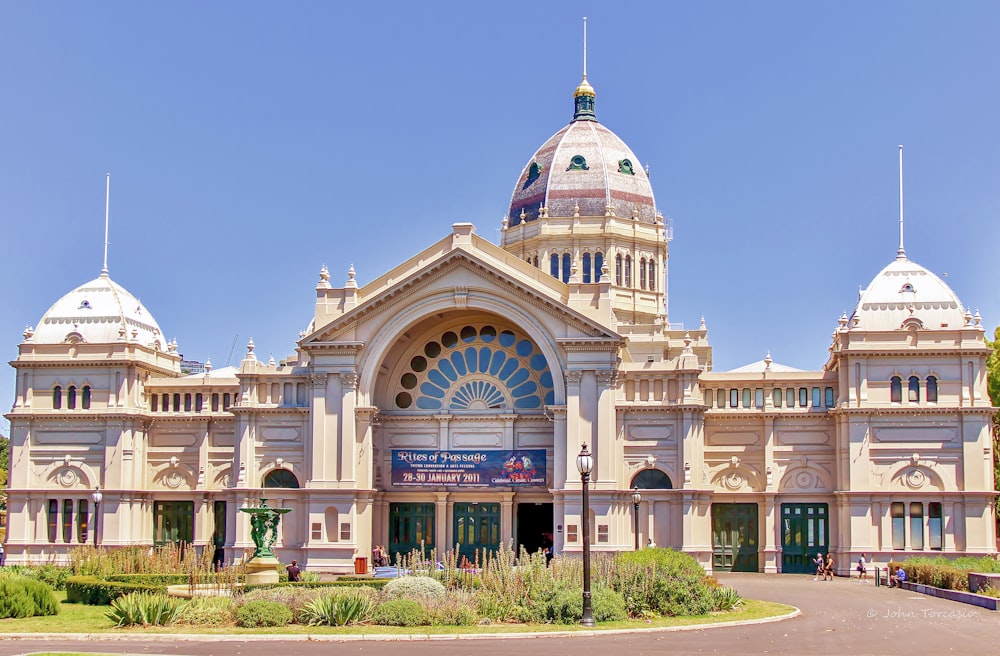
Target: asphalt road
column 838, row 617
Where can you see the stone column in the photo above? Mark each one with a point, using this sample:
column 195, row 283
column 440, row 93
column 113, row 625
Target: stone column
column 346, row 434
column 442, row 520
column 772, row 533
column 507, row 517
column 608, row 451
column 575, row 435
column 315, row 449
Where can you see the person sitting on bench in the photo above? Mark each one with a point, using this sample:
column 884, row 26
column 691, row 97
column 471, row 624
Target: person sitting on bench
column 897, row 579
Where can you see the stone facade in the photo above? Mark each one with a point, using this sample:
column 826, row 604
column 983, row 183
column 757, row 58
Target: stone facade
column 557, row 338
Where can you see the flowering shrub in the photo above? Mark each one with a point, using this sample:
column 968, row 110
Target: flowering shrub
column 413, row 587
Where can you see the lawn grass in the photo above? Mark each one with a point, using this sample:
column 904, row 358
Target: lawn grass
column 80, row 618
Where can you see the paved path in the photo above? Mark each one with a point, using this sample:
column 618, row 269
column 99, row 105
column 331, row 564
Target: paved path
column 838, row 617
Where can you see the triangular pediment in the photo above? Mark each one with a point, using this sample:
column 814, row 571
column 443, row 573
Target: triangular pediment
column 475, row 267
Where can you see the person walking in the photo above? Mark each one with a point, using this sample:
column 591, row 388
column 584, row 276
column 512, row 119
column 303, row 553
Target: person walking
column 828, row 567
column 820, row 566
column 862, row 569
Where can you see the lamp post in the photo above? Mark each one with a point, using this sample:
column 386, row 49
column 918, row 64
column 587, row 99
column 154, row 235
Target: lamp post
column 585, row 463
column 636, row 499
column 97, row 497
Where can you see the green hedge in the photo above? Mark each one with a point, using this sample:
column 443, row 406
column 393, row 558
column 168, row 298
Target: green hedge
column 944, row 573
column 149, row 579
column 96, row 592
column 378, row 584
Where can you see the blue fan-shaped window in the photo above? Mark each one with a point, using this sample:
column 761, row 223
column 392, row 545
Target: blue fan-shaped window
column 479, row 369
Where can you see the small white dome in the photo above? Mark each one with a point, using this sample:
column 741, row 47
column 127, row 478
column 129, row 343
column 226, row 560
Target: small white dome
column 96, row 312
column 903, row 293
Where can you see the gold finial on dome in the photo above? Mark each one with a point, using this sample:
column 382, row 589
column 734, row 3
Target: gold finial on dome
column 584, row 89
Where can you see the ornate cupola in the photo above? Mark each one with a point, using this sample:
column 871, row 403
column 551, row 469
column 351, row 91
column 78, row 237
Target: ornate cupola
column 583, row 202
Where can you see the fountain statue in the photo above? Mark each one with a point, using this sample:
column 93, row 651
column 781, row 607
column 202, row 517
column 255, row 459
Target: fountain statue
column 263, row 566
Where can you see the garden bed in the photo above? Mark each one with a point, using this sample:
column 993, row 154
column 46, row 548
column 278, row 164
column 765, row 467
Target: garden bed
column 971, row 598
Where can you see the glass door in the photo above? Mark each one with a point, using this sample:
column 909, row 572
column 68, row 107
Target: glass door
column 804, row 530
column 411, row 527
column 477, row 530
column 734, row 537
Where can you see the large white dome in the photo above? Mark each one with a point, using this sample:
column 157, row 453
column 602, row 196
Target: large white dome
column 100, row 311
column 904, row 292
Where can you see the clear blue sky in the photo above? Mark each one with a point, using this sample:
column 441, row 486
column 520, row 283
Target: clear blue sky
column 250, row 143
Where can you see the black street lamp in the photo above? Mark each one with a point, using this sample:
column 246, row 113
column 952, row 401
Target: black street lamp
column 585, row 463
column 97, row 497
column 636, row 500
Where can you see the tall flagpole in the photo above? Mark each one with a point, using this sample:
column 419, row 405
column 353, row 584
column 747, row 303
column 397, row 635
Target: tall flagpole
column 901, row 253
column 585, row 47
column 107, row 205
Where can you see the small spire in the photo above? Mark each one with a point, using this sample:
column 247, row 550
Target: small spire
column 351, row 282
column 208, row 366
column 768, row 360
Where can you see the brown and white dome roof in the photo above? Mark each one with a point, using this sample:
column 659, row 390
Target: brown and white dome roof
column 584, row 169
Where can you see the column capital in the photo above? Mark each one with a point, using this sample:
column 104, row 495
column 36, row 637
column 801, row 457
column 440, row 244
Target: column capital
column 349, row 379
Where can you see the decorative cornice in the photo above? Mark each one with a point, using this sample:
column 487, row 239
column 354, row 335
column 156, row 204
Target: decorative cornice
column 913, row 410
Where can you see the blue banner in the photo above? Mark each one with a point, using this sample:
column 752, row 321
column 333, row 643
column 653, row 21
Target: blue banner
column 476, row 468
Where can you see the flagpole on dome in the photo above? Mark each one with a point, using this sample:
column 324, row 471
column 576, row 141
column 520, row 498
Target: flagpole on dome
column 901, row 253
column 107, row 205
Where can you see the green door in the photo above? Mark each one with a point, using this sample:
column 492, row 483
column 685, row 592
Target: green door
column 803, row 535
column 411, row 527
column 477, row 529
column 734, row 537
column 173, row 522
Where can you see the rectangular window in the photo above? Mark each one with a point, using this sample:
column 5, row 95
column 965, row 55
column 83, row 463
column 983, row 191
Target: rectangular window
column 82, row 515
column 67, row 521
column 53, row 520
column 934, row 525
column 720, row 399
column 758, row 398
column 829, row 400
column 602, row 532
column 790, row 397
column 734, row 398
column 215, row 402
column 776, row 398
column 572, row 533
column 345, row 531
column 199, row 402
column 154, row 403
column 709, row 394
column 817, row 400
column 226, row 400
column 803, row 397
column 898, row 512
column 219, row 524
column 316, row 533
column 917, row 525
column 746, row 397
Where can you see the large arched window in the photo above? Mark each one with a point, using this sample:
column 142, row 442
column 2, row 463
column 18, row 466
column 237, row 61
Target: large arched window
column 618, row 269
column 628, row 270
column 554, row 266
column 281, row 478
column 86, row 397
column 642, row 273
column 652, row 275
column 913, row 393
column 651, row 479
column 586, row 268
column 565, row 267
column 57, row 397
column 71, row 398
column 932, row 392
column 598, row 267
column 896, row 389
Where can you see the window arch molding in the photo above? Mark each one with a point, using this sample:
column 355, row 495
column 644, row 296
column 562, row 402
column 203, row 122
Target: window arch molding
column 651, row 479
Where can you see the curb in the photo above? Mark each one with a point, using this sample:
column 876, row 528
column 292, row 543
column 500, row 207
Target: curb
column 361, row 637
